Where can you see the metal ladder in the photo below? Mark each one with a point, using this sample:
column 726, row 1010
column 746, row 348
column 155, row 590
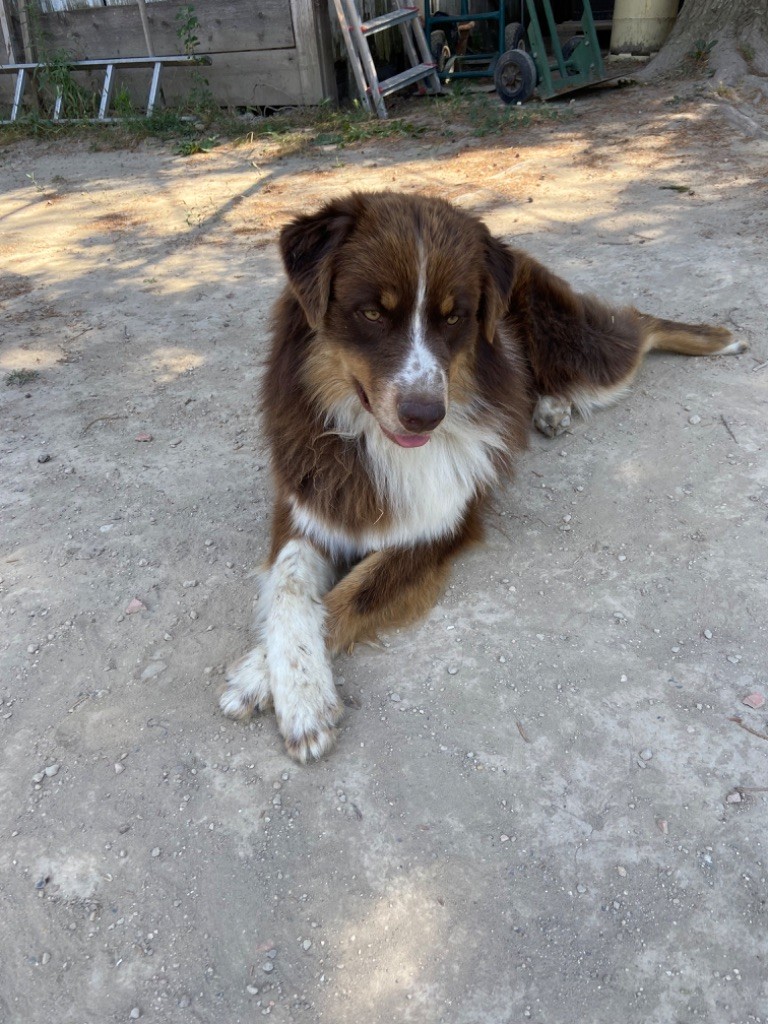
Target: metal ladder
column 24, row 71
column 356, row 34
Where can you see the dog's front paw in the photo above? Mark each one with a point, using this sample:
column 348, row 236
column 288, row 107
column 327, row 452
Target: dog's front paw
column 552, row 416
column 309, row 728
column 248, row 688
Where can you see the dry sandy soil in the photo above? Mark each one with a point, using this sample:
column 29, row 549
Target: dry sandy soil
column 548, row 800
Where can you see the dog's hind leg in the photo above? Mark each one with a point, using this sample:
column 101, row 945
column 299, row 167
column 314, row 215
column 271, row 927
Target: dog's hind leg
column 583, row 354
column 554, row 415
column 654, row 334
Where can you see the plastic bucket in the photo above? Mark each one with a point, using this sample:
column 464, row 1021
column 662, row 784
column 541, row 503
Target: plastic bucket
column 641, row 26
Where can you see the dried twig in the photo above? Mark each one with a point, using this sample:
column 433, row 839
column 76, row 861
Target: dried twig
column 727, row 426
column 748, row 728
column 521, row 730
column 102, row 419
column 79, row 334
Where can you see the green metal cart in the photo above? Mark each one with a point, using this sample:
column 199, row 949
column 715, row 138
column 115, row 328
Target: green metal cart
column 520, row 62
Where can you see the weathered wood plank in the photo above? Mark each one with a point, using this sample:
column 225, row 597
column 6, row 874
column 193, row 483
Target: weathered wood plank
column 234, row 26
column 9, row 50
column 314, row 52
column 264, row 52
column 269, row 78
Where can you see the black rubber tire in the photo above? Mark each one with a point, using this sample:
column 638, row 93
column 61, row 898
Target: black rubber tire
column 441, row 52
column 570, row 46
column 515, row 76
column 514, row 34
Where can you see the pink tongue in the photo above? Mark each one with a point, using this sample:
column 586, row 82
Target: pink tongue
column 410, row 440
column 406, row 440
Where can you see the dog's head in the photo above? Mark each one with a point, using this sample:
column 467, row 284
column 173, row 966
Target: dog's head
column 400, row 291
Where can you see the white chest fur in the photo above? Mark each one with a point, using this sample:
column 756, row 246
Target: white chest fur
column 425, row 490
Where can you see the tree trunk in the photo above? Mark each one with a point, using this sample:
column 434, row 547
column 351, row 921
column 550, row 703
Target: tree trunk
column 726, row 38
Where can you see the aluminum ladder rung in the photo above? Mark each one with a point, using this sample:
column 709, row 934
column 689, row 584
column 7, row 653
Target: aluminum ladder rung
column 106, row 92
column 389, row 20
column 409, row 77
column 154, row 85
column 18, row 93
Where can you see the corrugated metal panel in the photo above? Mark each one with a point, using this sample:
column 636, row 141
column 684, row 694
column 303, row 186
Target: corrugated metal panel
column 51, row 6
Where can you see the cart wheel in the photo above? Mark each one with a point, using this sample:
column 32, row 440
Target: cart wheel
column 441, row 52
column 440, row 49
column 570, row 46
column 514, row 35
column 515, row 76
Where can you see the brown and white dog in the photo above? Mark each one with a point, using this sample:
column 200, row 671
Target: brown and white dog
column 411, row 351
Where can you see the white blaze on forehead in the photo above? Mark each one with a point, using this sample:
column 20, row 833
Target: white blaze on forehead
column 420, row 368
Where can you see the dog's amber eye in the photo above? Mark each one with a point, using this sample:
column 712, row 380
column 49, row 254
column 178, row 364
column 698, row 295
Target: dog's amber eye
column 372, row 314
column 452, row 319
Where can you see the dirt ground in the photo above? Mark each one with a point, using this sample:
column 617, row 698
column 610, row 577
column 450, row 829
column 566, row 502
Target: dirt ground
column 548, row 801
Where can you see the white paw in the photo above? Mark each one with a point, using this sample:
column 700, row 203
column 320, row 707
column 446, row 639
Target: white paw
column 248, row 688
column 552, row 416
column 308, row 722
column 306, row 704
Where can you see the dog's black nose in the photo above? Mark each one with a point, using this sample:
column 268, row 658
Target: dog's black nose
column 418, row 415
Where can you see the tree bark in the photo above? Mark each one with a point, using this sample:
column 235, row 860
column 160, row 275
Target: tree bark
column 726, row 38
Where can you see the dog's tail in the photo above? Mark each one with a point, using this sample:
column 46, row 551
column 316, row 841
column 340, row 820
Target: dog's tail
column 687, row 339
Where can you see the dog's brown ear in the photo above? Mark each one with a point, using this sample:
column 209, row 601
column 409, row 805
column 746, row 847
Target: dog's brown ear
column 500, row 271
column 309, row 245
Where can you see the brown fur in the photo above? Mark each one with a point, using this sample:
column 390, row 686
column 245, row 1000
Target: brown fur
column 393, row 587
column 411, row 350
column 523, row 333
column 686, row 339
